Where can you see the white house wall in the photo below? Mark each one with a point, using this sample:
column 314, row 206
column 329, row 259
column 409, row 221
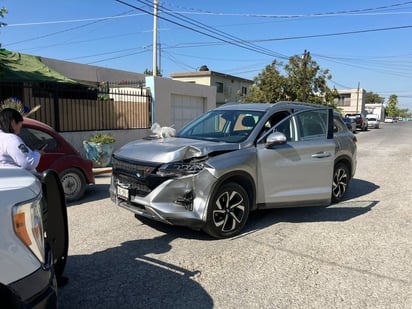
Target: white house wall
column 166, row 91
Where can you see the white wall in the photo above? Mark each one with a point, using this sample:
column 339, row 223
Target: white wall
column 162, row 90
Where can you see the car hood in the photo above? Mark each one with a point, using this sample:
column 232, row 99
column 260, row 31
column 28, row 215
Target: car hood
column 164, row 150
column 17, row 185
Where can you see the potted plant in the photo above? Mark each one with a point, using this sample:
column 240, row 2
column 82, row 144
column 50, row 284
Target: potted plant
column 99, row 149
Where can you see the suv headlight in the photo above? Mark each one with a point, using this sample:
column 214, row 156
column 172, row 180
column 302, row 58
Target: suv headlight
column 28, row 225
column 176, row 169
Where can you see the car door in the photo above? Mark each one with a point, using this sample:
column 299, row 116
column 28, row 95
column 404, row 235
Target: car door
column 56, row 223
column 298, row 172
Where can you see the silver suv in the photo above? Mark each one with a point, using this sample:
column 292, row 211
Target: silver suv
column 235, row 159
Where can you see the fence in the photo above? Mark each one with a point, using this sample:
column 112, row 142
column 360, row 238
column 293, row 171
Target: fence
column 71, row 108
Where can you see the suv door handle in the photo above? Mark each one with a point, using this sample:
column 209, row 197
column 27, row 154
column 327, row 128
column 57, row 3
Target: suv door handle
column 321, row 155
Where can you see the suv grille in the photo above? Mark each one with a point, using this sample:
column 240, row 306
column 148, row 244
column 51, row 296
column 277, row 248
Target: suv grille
column 140, row 178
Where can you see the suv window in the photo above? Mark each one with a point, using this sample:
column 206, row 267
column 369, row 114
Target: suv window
column 304, row 126
column 227, row 126
column 313, row 124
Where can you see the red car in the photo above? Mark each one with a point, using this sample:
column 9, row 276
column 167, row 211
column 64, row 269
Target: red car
column 75, row 172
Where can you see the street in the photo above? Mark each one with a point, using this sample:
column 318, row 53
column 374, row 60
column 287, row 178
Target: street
column 355, row 254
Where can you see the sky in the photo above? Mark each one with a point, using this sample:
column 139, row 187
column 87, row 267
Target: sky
column 366, row 44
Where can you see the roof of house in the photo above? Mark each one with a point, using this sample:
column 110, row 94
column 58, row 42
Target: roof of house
column 91, row 73
column 21, row 67
column 208, row 73
column 18, row 67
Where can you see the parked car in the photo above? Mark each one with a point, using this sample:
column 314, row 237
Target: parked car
column 373, row 123
column 389, row 120
column 75, row 172
column 350, row 123
column 361, row 121
column 34, row 238
column 234, row 159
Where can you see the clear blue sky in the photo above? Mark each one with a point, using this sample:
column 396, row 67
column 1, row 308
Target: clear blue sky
column 364, row 42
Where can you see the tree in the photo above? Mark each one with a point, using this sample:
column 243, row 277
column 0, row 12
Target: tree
column 307, row 82
column 268, row 85
column 392, row 107
column 304, row 81
column 3, row 11
column 150, row 72
column 373, row 98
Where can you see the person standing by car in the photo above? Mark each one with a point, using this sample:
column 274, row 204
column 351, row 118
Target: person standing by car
column 13, row 151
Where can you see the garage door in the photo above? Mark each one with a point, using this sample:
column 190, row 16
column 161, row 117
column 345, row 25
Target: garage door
column 185, row 109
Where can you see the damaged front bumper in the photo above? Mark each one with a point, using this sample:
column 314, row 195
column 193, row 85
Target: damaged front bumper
column 176, row 201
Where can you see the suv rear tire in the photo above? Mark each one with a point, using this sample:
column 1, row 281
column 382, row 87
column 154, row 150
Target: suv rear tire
column 340, row 182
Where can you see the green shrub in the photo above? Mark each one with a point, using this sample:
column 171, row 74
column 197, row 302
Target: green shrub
column 102, row 138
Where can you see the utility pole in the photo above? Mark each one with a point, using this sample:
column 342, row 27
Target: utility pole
column 305, row 59
column 357, row 98
column 155, row 12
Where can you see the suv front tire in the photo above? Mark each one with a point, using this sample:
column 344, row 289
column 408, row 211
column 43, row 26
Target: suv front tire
column 228, row 211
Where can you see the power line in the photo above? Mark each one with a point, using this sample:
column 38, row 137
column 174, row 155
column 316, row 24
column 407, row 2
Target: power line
column 235, row 43
column 327, row 14
column 203, row 12
column 219, row 32
column 61, row 31
column 72, row 20
column 334, row 34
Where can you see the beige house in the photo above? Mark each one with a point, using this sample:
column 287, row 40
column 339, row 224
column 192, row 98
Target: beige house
column 229, row 88
column 352, row 101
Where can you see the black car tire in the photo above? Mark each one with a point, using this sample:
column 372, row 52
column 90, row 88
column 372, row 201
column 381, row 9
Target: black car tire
column 340, row 182
column 74, row 184
column 228, row 211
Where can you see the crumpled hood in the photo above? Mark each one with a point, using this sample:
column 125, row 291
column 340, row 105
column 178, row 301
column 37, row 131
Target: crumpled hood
column 170, row 149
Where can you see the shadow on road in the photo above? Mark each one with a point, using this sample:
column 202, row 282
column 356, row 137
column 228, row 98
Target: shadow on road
column 340, row 212
column 359, row 187
column 336, row 213
column 130, row 276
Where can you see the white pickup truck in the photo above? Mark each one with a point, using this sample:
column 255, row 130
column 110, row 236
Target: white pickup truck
column 33, row 238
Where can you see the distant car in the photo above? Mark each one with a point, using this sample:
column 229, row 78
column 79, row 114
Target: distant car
column 235, row 159
column 373, row 123
column 350, row 123
column 74, row 171
column 388, row 120
column 361, row 121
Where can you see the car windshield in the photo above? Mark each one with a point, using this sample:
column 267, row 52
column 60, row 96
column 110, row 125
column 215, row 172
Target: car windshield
column 222, row 126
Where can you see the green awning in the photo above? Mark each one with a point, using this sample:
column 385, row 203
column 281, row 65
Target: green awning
column 18, row 67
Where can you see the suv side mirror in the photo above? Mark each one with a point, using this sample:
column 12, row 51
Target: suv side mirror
column 274, row 139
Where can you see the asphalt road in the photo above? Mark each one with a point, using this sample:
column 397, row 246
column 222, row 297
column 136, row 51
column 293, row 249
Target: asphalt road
column 355, row 254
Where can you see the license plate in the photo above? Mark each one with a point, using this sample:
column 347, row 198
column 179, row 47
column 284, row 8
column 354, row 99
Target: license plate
column 123, row 193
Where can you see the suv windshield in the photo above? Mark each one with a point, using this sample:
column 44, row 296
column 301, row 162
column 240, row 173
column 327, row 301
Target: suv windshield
column 222, row 126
